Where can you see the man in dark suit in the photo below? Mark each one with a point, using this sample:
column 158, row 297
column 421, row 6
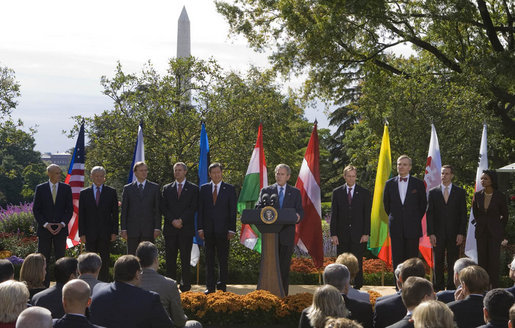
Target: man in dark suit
column 76, row 298
column 179, row 204
column 496, row 310
column 350, row 219
column 405, row 203
column 89, row 269
column 122, row 304
column 216, row 225
column 288, row 197
column 98, row 218
column 51, row 298
column 447, row 296
column 141, row 215
column 446, row 225
column 53, row 209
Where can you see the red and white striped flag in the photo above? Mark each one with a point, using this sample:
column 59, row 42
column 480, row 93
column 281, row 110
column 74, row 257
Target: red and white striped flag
column 75, row 179
column 308, row 234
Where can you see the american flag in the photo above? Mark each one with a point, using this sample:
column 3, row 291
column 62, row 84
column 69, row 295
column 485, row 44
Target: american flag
column 75, row 179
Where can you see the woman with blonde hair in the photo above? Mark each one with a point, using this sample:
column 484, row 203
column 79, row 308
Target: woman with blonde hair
column 433, row 314
column 327, row 302
column 33, row 272
column 14, row 296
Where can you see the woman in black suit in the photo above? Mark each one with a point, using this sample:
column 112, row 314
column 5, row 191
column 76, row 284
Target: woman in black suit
column 491, row 215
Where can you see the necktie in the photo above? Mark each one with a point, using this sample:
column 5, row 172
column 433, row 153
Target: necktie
column 215, row 195
column 281, row 196
column 140, row 188
column 404, row 179
column 179, row 190
column 97, row 196
column 54, row 192
column 349, row 195
column 446, row 194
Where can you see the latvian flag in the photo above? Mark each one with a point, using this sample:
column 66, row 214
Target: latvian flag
column 75, row 179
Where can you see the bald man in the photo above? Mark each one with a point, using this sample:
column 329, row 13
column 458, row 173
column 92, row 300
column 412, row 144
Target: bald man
column 34, row 317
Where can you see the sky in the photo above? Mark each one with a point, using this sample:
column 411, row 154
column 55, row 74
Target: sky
column 60, row 49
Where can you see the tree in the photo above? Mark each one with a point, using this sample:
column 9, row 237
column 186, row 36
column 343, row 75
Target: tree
column 9, row 90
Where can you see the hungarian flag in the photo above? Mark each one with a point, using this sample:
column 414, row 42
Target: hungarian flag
column 432, row 178
column 75, row 178
column 379, row 242
column 139, row 153
column 470, row 242
column 255, row 179
column 308, row 233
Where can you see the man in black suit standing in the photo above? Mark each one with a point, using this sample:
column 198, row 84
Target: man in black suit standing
column 446, row 225
column 216, row 225
column 53, row 209
column 179, row 204
column 287, row 197
column 405, row 203
column 350, row 219
column 141, row 215
column 98, row 218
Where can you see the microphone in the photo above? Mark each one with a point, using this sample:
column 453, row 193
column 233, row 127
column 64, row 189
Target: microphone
column 273, row 200
column 265, row 200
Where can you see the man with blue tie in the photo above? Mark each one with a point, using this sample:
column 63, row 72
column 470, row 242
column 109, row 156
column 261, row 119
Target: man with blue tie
column 216, row 225
column 289, row 197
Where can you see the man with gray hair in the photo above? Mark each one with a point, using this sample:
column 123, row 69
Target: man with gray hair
column 35, row 317
column 89, row 268
column 98, row 218
column 338, row 276
column 447, row 296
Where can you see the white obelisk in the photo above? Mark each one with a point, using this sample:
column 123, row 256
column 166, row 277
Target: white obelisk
column 184, row 46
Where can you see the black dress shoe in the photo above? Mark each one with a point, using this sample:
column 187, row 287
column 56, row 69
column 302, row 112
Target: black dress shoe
column 208, row 291
column 184, row 288
column 222, row 287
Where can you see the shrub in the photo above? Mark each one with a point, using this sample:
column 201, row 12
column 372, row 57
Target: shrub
column 18, row 219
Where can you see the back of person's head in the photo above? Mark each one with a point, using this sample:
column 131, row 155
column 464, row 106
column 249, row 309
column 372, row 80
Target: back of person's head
column 76, row 296
column 337, row 275
column 475, row 279
column 126, row 268
column 415, row 290
column 65, row 269
column 14, row 296
column 147, row 253
column 511, row 323
column 35, row 317
column 351, row 262
column 433, row 314
column 497, row 304
column 413, row 267
column 341, row 323
column 33, row 270
column 6, row 270
column 459, row 265
column 89, row 263
column 327, row 302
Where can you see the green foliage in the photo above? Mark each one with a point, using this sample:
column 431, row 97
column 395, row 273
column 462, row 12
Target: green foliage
column 19, row 223
column 9, row 91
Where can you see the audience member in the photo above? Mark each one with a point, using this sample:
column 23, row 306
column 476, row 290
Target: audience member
column 398, row 284
column 122, row 304
column 51, row 298
column 338, row 276
column 511, row 323
column 511, row 266
column 341, row 323
column 448, row 296
column 89, row 269
column 76, row 299
column 433, row 314
column 496, row 310
column 35, row 317
column 33, row 271
column 468, row 312
column 14, row 296
column 351, row 262
column 6, row 270
column 164, row 286
column 327, row 302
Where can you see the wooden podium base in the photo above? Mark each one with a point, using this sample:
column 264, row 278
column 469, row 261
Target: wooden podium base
column 270, row 273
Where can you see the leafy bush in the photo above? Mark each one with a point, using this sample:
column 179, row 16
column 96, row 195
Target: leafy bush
column 18, row 219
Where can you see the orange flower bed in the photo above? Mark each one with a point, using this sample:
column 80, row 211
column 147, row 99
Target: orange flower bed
column 373, row 297
column 375, row 266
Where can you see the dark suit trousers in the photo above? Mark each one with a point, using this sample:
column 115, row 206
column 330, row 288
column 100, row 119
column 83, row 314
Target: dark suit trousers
column 452, row 256
column 285, row 253
column 488, row 256
column 173, row 244
column 101, row 246
column 133, row 242
column 217, row 245
column 357, row 250
column 403, row 249
column 45, row 248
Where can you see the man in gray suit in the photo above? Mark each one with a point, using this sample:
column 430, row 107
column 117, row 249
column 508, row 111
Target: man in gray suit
column 164, row 286
column 141, row 216
column 89, row 269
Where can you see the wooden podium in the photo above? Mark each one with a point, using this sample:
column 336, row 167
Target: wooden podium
column 270, row 221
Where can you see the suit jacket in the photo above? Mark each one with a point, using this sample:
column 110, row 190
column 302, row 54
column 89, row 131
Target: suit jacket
column 359, row 311
column 51, row 299
column 405, row 219
column 446, row 296
column 292, row 199
column 445, row 221
column 495, row 324
column 389, row 310
column 494, row 219
column 403, row 323
column 511, row 290
column 73, row 321
column 468, row 312
column 183, row 208
column 141, row 214
column 45, row 210
column 217, row 218
column 168, row 293
column 91, row 281
column 120, row 305
column 350, row 220
column 98, row 222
